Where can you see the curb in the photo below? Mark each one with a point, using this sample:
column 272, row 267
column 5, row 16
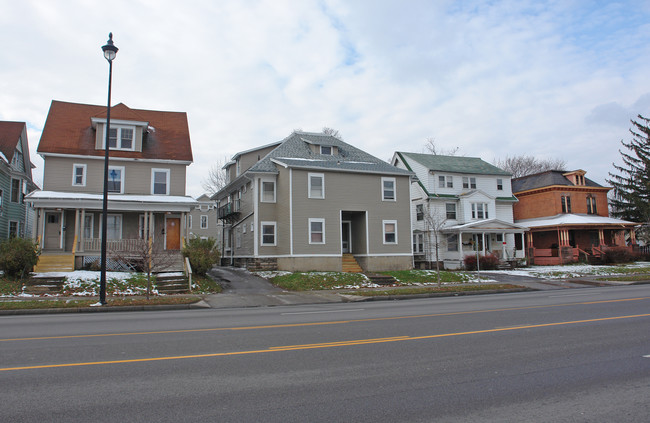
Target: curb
column 431, row 295
column 164, row 307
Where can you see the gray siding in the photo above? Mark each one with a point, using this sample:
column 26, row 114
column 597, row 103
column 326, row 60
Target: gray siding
column 58, row 175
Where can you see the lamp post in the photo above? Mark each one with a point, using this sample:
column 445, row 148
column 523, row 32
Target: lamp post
column 109, row 53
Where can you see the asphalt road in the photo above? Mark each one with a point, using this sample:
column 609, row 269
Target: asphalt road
column 570, row 355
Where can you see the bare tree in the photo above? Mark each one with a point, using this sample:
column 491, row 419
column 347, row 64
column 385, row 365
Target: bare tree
column 434, row 221
column 333, row 132
column 432, row 147
column 527, row 165
column 146, row 257
column 217, row 177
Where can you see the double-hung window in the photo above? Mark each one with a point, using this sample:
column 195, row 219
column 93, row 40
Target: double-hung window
column 450, row 211
column 204, row 221
column 479, row 211
column 390, row 231
column 566, row 204
column 317, row 231
column 160, row 181
column 88, row 226
column 445, row 181
column 268, row 233
column 469, row 182
column 388, row 189
column 116, row 179
column 591, row 205
column 79, row 175
column 114, row 226
column 268, row 192
column 419, row 211
column 120, row 138
column 316, row 185
column 418, row 243
column 15, row 190
column 452, row 242
column 499, row 184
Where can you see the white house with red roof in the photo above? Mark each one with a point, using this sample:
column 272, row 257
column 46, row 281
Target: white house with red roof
column 149, row 154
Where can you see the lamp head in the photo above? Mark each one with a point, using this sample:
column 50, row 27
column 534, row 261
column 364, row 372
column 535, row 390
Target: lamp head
column 109, row 49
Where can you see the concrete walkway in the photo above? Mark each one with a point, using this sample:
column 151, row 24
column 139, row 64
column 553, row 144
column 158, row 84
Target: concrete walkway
column 242, row 289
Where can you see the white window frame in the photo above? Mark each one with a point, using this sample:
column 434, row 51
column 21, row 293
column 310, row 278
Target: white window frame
column 320, row 176
column 499, row 184
column 419, row 212
column 84, row 170
column 418, row 240
column 122, row 172
column 484, row 211
column 274, row 225
column 445, row 181
column 452, row 243
column 469, row 182
column 383, row 225
column 204, row 219
column 266, row 181
column 118, row 141
column 238, row 237
column 17, row 234
column 15, row 191
column 322, row 222
column 331, row 150
column 383, row 189
column 455, row 211
column 153, row 180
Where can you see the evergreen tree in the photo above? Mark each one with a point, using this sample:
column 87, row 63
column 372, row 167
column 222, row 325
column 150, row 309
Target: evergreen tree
column 631, row 195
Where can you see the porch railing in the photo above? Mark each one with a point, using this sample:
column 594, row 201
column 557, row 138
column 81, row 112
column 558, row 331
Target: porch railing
column 95, row 244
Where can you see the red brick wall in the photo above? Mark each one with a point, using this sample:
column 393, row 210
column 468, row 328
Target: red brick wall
column 548, row 202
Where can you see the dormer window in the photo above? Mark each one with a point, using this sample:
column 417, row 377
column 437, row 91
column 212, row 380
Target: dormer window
column 121, row 138
column 326, row 150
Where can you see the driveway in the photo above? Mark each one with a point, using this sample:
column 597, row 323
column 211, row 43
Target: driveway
column 242, row 289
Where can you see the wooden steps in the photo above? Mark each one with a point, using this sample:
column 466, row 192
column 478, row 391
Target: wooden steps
column 54, row 263
column 44, row 285
column 350, row 264
column 171, row 283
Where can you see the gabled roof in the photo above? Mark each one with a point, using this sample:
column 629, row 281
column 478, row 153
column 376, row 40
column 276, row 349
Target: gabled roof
column 295, row 152
column 572, row 219
column 488, row 224
column 546, row 179
column 454, row 164
column 68, row 130
column 10, row 133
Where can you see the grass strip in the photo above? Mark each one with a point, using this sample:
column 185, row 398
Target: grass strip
column 427, row 290
column 112, row 302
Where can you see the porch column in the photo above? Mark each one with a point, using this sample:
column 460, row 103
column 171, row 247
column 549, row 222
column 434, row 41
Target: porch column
column 503, row 245
column 184, row 228
column 632, row 236
column 601, row 237
column 523, row 245
column 82, row 232
column 460, row 246
column 151, row 229
column 42, row 228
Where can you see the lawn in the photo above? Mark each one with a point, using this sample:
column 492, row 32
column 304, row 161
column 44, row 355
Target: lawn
column 111, row 302
column 433, row 289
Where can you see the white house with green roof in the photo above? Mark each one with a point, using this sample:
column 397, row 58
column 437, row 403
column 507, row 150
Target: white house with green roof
column 314, row 202
column 463, row 202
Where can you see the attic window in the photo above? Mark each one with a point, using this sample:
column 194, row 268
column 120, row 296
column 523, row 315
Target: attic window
column 326, row 150
column 120, row 138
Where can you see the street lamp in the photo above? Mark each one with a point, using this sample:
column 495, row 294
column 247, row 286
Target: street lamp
column 110, row 51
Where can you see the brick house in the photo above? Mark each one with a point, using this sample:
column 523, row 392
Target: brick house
column 568, row 217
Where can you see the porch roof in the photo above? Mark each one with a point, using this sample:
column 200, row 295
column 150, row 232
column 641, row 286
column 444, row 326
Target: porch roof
column 123, row 202
column 489, row 225
column 575, row 220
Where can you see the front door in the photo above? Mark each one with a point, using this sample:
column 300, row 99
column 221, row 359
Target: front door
column 346, row 244
column 173, row 233
column 52, row 231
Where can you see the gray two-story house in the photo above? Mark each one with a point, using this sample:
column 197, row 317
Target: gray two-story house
column 314, row 202
column 149, row 153
column 16, row 217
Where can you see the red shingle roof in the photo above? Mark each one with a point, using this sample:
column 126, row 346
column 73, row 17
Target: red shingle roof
column 68, row 130
column 9, row 135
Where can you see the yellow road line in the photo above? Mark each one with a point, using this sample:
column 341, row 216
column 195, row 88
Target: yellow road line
column 321, row 345
column 336, row 322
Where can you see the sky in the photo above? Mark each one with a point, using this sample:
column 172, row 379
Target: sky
column 551, row 79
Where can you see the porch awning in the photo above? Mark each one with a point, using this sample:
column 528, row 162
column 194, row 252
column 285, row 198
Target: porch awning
column 489, row 225
column 121, row 202
column 581, row 221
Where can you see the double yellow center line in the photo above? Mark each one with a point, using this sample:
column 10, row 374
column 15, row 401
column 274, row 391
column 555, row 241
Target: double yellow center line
column 321, row 345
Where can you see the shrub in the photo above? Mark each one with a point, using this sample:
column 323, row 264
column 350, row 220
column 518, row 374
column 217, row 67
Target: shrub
column 620, row 255
column 487, row 262
column 203, row 254
column 18, row 256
